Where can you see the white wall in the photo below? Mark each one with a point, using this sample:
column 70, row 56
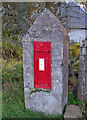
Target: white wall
column 77, row 34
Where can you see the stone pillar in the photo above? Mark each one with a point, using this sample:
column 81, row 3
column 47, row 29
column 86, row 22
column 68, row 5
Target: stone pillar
column 47, row 28
column 86, row 73
column 82, row 80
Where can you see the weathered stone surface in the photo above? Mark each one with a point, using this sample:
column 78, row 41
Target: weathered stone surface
column 47, row 28
column 72, row 111
column 82, row 80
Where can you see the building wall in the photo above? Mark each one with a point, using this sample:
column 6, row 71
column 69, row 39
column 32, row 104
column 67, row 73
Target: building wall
column 77, row 34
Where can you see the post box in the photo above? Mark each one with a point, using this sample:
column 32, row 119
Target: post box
column 42, row 64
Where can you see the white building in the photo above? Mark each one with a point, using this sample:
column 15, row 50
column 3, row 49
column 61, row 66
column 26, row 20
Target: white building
column 77, row 22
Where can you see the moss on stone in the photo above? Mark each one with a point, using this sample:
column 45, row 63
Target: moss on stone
column 33, row 90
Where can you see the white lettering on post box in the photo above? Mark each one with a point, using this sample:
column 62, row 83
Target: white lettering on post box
column 41, row 64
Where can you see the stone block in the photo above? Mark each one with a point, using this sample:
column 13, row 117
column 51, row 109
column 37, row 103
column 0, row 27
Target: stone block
column 72, row 112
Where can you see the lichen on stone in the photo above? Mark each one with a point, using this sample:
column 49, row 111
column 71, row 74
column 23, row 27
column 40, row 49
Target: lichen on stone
column 33, row 90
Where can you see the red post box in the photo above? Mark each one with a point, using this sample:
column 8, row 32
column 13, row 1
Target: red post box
column 42, row 64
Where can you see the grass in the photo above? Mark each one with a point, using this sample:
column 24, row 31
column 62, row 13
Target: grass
column 13, row 94
column 13, row 104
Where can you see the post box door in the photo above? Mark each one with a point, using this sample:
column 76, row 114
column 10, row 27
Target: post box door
column 42, row 65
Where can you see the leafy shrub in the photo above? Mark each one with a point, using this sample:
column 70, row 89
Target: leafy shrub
column 12, row 71
column 76, row 65
column 74, row 49
column 11, row 50
column 73, row 99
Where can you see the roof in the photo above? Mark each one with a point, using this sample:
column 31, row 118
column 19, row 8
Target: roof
column 76, row 16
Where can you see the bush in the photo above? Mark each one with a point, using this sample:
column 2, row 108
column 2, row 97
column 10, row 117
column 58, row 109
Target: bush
column 11, row 50
column 73, row 99
column 76, row 65
column 12, row 71
column 74, row 49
